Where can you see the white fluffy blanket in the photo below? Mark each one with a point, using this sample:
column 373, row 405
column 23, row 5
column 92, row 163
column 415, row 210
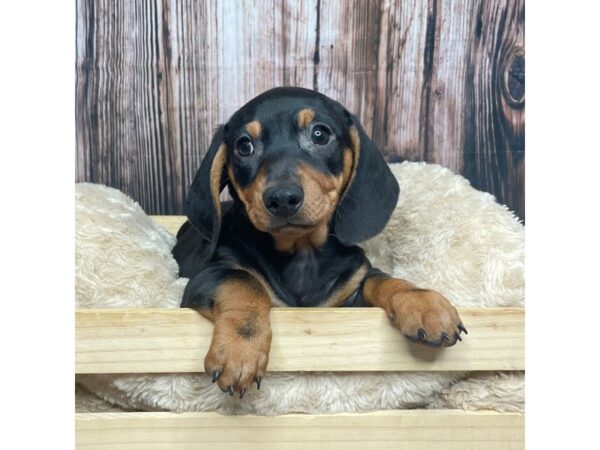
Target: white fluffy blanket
column 443, row 235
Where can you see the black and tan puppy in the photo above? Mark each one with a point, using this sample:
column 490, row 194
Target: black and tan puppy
column 308, row 185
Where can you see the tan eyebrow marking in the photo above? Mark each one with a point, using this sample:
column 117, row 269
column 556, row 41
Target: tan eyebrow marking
column 305, row 117
column 254, row 129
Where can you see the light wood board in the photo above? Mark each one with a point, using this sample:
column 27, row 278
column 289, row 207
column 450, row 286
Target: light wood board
column 416, row 429
column 304, row 339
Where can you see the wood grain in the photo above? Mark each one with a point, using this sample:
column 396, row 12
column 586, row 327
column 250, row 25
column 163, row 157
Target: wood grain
column 417, row 430
column 495, row 118
column 305, row 339
column 436, row 81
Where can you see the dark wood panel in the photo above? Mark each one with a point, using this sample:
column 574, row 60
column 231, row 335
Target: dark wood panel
column 494, row 122
column 435, row 81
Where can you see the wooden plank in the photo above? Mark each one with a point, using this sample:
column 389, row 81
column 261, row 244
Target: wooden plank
column 443, row 92
column 304, row 339
column 494, row 120
column 415, row 429
column 262, row 45
column 371, row 60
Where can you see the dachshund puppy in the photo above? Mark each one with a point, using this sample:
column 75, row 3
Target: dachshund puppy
column 307, row 185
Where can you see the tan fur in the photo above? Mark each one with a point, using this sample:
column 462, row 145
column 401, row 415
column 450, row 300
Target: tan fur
column 293, row 240
column 254, row 129
column 216, row 171
column 347, row 169
column 341, row 294
column 352, row 159
column 323, row 190
column 275, row 300
column 305, row 117
column 252, row 198
column 379, row 290
column 411, row 309
column 321, row 195
column 241, row 340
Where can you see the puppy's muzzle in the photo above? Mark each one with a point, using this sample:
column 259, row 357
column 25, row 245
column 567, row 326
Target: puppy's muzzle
column 283, row 200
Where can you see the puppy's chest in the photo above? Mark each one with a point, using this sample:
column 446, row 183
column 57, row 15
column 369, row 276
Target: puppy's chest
column 307, row 279
column 300, row 275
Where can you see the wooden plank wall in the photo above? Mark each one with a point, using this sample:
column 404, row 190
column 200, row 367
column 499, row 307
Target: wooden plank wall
column 439, row 81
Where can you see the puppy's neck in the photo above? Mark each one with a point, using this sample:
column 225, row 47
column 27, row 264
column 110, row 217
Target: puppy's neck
column 291, row 242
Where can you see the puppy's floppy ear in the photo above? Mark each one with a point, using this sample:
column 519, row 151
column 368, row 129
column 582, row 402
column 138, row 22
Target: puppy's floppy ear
column 371, row 195
column 203, row 205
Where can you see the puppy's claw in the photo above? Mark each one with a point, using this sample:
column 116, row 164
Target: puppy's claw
column 421, row 334
column 458, row 338
column 230, row 390
column 242, row 392
column 215, row 375
column 445, row 337
column 462, row 328
column 258, row 380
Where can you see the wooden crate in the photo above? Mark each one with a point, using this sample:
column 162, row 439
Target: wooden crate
column 175, row 340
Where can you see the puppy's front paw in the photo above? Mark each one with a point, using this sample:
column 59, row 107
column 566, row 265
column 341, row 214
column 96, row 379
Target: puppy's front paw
column 426, row 317
column 238, row 354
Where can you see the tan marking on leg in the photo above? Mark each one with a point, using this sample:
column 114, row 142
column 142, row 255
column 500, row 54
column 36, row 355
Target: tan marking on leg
column 275, row 300
column 305, row 117
column 414, row 311
column 341, row 294
column 254, row 129
column 239, row 350
column 379, row 289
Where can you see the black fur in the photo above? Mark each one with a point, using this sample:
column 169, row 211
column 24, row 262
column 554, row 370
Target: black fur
column 215, row 247
column 370, row 199
column 200, row 208
column 305, row 278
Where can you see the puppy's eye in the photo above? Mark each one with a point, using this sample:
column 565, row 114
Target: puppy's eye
column 320, row 135
column 244, row 146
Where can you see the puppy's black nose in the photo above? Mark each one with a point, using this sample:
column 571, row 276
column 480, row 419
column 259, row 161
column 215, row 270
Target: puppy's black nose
column 285, row 200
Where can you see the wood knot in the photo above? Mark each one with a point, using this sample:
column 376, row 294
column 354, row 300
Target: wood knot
column 513, row 80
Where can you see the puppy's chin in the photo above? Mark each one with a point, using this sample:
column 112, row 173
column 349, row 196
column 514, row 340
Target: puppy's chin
column 277, row 227
column 292, row 238
column 297, row 225
column 291, row 230
column 307, row 229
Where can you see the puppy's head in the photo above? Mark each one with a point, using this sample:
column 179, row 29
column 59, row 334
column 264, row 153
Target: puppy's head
column 301, row 165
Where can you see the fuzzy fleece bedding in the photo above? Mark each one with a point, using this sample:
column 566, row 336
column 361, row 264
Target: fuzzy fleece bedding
column 443, row 235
